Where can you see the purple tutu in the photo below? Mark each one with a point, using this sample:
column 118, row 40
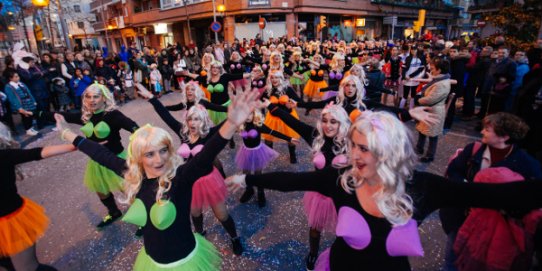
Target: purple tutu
column 320, row 211
column 257, row 158
column 241, row 83
column 209, row 190
column 329, row 94
column 322, row 264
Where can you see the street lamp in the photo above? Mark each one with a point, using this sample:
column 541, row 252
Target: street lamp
column 188, row 20
column 40, row 3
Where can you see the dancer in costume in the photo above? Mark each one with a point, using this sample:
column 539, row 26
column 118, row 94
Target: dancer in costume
column 381, row 199
column 236, row 65
column 278, row 92
column 297, row 68
column 328, row 142
column 159, row 188
column 191, row 96
column 253, row 156
column 209, row 190
column 259, row 79
column 316, row 80
column 102, row 123
column 22, row 221
column 336, row 74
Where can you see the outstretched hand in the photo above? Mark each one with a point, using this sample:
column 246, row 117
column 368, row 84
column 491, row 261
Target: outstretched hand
column 235, row 182
column 241, row 106
column 143, row 91
column 423, row 114
column 61, row 123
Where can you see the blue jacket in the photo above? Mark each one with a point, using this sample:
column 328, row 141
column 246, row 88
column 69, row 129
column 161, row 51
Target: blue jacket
column 35, row 79
column 20, row 97
column 79, row 85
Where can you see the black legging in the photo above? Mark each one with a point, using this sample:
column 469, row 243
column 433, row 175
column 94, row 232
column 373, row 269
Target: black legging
column 409, row 89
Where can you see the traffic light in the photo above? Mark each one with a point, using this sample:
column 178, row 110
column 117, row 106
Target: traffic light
column 421, row 17
column 417, row 27
column 323, row 22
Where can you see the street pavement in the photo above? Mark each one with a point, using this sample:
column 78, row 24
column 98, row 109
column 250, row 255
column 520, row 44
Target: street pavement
column 275, row 237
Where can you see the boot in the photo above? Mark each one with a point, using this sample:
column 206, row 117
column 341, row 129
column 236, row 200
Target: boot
column 293, row 158
column 261, row 198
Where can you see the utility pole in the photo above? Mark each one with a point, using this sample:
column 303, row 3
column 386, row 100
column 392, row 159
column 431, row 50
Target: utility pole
column 214, row 19
column 188, row 21
column 64, row 26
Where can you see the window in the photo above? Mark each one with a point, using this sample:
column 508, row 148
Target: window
column 81, row 25
column 77, row 8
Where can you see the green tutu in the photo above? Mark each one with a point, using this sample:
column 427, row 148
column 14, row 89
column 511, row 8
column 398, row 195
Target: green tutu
column 296, row 81
column 218, row 117
column 204, row 257
column 102, row 180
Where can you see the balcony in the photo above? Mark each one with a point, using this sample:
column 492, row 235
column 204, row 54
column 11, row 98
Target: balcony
column 419, row 4
column 97, row 3
column 167, row 4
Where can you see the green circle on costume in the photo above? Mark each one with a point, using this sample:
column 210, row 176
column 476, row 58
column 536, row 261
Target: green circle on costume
column 210, row 88
column 102, row 130
column 163, row 214
column 219, row 88
column 136, row 214
column 87, row 129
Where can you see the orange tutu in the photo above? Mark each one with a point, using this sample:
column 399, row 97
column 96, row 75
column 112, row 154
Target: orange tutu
column 312, row 89
column 206, row 92
column 22, row 228
column 276, row 124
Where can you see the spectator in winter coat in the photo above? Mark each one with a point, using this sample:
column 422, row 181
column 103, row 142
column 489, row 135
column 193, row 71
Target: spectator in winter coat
column 21, row 101
column 522, row 68
column 167, row 73
column 34, row 78
column 80, row 81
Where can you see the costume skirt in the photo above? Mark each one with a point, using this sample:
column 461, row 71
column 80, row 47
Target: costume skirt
column 22, row 228
column 241, row 83
column 328, row 94
column 320, row 211
column 312, row 88
column 101, row 179
column 322, row 264
column 218, row 117
column 296, row 81
column 389, row 83
column 257, row 158
column 276, row 124
column 209, row 190
column 204, row 257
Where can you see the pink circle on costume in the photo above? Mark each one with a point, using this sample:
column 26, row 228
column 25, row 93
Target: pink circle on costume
column 232, row 66
column 238, row 65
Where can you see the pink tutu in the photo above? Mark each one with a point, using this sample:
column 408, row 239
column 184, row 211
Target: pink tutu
column 209, row 190
column 329, row 94
column 322, row 264
column 257, row 158
column 239, row 83
column 320, row 211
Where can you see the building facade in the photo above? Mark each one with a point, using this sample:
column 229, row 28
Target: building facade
column 158, row 23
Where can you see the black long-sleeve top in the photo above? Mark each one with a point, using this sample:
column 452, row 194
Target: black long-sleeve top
column 205, row 103
column 317, row 75
column 233, row 67
column 177, row 241
column 223, row 97
column 429, row 193
column 177, row 126
column 114, row 119
column 10, row 200
column 264, row 129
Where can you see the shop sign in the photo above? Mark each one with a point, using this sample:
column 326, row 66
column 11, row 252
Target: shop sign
column 258, row 3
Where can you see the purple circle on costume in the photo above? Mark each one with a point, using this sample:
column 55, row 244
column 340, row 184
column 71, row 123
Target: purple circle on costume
column 232, row 66
column 331, row 75
column 238, row 65
column 244, row 134
column 339, row 76
column 264, row 66
column 254, row 83
column 252, row 133
column 260, row 83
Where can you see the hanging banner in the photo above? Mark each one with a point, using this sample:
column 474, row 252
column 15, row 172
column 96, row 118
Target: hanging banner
column 258, row 3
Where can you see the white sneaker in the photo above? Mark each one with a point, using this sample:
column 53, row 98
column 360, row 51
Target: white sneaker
column 31, row 132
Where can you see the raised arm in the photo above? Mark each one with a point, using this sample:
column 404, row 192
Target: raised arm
column 306, row 131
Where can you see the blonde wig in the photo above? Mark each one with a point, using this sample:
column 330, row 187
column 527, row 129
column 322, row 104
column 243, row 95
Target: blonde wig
column 109, row 100
column 390, row 142
column 360, row 92
column 335, row 62
column 198, row 93
column 140, row 141
column 197, row 111
column 235, row 53
column 281, row 88
column 215, row 63
column 274, row 65
column 207, row 64
column 361, row 76
column 336, row 112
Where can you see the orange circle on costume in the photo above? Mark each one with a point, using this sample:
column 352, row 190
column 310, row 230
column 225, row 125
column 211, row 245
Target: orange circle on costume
column 354, row 115
column 273, row 100
column 320, row 73
column 203, row 73
column 313, row 72
column 284, row 99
